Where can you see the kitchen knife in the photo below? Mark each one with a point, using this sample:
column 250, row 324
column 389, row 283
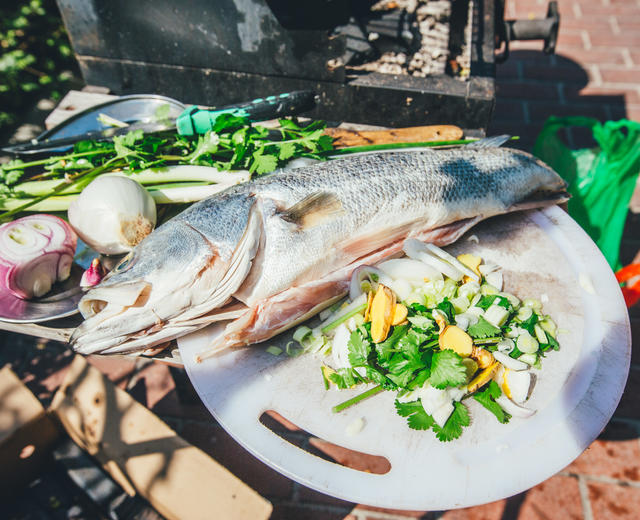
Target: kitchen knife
column 193, row 120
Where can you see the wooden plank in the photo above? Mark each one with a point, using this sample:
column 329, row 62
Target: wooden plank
column 349, row 137
column 147, row 457
column 26, row 434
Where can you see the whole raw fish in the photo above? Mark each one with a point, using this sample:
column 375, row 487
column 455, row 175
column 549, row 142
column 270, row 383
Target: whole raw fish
column 265, row 255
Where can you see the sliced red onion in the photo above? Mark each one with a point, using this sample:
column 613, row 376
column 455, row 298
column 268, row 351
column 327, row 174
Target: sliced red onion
column 362, row 273
column 35, row 252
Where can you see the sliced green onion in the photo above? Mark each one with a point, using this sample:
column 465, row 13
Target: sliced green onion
column 343, row 318
column 301, row 333
column 273, row 350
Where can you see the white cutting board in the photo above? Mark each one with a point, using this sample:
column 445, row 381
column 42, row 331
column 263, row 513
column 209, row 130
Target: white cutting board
column 576, row 392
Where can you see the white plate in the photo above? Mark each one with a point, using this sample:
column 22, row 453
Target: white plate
column 541, row 252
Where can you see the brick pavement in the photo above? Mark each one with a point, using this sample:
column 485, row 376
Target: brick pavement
column 596, row 72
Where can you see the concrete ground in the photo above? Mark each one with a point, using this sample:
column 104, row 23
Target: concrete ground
column 595, row 72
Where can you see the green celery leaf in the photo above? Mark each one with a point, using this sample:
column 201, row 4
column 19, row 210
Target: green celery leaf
column 358, row 349
column 417, row 418
column 487, row 399
column 453, row 427
column 482, row 329
column 447, row 369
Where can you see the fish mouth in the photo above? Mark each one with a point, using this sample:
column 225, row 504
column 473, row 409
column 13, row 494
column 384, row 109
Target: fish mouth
column 130, row 294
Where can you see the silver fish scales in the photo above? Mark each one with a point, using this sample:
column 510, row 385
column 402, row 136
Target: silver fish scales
column 263, row 256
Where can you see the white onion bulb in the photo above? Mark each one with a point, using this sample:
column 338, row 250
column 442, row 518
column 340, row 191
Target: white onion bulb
column 113, row 214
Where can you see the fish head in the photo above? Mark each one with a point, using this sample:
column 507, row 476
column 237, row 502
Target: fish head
column 156, row 281
column 183, row 269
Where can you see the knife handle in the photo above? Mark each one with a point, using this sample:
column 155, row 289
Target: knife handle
column 196, row 120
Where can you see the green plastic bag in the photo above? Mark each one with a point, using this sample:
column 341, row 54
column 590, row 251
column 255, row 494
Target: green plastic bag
column 601, row 179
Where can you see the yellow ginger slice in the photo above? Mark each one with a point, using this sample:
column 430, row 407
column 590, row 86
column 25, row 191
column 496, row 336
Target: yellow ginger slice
column 456, row 339
column 382, row 310
column 483, row 377
column 399, row 314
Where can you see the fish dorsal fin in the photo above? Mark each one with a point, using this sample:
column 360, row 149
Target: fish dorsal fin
column 313, row 210
column 490, row 142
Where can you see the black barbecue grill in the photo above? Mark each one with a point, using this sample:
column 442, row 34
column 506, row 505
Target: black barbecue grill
column 223, row 51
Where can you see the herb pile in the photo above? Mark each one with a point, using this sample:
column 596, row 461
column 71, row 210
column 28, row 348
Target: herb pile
column 432, row 373
column 233, row 144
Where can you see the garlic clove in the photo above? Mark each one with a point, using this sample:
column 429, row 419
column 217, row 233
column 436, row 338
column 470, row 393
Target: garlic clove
column 93, row 275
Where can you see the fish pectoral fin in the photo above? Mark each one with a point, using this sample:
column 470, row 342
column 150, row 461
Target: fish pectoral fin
column 314, row 210
column 359, row 246
column 489, row 142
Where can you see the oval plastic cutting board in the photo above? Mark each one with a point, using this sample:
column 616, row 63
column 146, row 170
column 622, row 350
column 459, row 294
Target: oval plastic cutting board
column 544, row 254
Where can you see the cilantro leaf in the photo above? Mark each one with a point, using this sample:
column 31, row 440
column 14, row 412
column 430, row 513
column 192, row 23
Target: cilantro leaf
column 487, row 399
column 386, row 348
column 482, row 329
column 417, row 418
column 447, row 369
column 489, row 299
column 286, row 151
column 263, row 163
column 358, row 349
column 417, row 309
column 447, row 307
column 422, row 376
column 453, row 427
column 345, row 378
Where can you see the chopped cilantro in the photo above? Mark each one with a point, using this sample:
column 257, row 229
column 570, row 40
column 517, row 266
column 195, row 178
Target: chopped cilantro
column 358, row 349
column 482, row 329
column 417, row 418
column 417, row 309
column 453, row 427
column 487, row 399
column 447, row 369
column 345, row 378
column 386, row 348
column 489, row 299
column 447, row 307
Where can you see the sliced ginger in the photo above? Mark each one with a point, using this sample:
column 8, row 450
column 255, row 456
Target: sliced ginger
column 456, row 339
column 382, row 311
column 399, row 314
column 482, row 356
column 483, row 377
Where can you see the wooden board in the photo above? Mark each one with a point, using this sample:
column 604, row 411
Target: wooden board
column 542, row 253
column 345, row 137
column 145, row 456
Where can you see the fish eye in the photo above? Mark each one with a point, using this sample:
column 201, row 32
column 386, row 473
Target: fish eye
column 124, row 264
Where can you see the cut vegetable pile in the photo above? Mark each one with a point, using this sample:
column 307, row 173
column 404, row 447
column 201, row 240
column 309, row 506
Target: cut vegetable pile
column 436, row 330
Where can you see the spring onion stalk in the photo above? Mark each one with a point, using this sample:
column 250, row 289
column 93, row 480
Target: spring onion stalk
column 355, row 400
column 343, row 318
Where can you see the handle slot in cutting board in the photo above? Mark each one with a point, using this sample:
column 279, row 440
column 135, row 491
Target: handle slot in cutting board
column 352, row 459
